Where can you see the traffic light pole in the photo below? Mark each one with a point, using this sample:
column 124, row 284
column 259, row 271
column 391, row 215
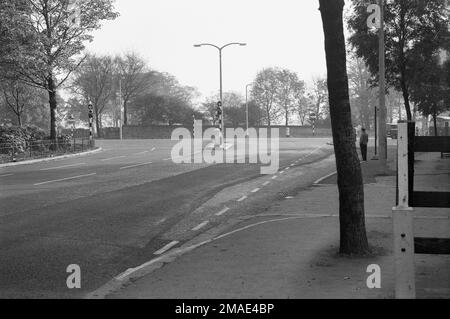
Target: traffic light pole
column 375, row 156
column 222, row 124
column 91, row 117
column 382, row 149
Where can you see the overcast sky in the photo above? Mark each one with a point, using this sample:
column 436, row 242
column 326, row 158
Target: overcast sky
column 284, row 33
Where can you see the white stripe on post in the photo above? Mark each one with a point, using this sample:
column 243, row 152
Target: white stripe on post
column 402, row 218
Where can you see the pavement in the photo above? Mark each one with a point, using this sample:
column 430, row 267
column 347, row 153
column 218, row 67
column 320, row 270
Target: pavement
column 289, row 249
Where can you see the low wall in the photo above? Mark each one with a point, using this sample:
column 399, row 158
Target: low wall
column 165, row 132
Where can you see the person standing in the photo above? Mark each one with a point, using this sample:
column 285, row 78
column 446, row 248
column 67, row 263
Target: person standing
column 363, row 140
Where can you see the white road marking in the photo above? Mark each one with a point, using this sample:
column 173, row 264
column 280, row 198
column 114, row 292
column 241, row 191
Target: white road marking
column 292, row 165
column 167, row 159
column 242, row 198
column 275, row 177
column 255, row 190
column 52, row 168
column 6, row 175
column 111, row 158
column 153, row 149
column 266, row 183
column 287, row 168
column 161, row 221
column 144, row 152
column 183, row 250
column 166, row 247
column 129, row 271
column 324, row 177
column 223, row 211
column 64, row 179
column 136, row 165
column 282, row 172
column 201, row 225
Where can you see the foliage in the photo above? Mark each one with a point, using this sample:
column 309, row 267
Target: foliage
column 18, row 137
column 54, row 42
column 413, row 29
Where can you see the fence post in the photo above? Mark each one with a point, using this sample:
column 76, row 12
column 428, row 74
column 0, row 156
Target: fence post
column 402, row 218
column 411, row 158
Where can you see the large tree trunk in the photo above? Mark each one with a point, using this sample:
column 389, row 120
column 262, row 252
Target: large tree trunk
column 353, row 239
column 19, row 119
column 53, row 105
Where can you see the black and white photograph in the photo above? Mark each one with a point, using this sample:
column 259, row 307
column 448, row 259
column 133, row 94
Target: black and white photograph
column 224, row 159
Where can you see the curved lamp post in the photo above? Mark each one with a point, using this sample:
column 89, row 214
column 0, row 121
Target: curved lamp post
column 220, row 72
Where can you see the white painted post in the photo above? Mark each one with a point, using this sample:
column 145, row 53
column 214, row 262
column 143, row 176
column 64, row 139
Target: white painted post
column 402, row 219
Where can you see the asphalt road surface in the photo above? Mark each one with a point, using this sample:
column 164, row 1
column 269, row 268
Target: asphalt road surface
column 110, row 211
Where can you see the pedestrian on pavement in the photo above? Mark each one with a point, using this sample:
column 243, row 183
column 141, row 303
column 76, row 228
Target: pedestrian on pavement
column 363, row 140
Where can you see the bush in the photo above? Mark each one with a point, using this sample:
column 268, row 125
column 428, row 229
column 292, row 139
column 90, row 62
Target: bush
column 19, row 138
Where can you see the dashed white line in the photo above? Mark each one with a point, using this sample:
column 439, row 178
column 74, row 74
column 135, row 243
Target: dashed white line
column 223, row 211
column 166, row 247
column 292, row 165
column 4, row 175
column 256, row 190
column 275, row 177
column 242, row 198
column 64, row 179
column 111, row 158
column 167, row 159
column 144, row 152
column 266, row 183
column 153, row 149
column 52, row 168
column 282, row 172
column 160, row 221
column 136, row 165
column 201, row 225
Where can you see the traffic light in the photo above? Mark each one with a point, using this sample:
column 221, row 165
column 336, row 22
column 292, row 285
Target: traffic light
column 219, row 109
column 90, row 112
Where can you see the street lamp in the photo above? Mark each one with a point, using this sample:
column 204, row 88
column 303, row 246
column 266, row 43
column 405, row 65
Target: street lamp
column 220, row 74
column 246, row 107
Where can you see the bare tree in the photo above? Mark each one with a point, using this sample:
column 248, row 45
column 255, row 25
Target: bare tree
column 301, row 102
column 363, row 95
column 264, row 93
column 288, row 86
column 58, row 38
column 319, row 96
column 16, row 96
column 133, row 75
column 95, row 83
column 353, row 238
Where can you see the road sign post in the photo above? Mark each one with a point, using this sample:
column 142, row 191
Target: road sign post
column 91, row 117
column 219, row 115
column 71, row 121
column 312, row 119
